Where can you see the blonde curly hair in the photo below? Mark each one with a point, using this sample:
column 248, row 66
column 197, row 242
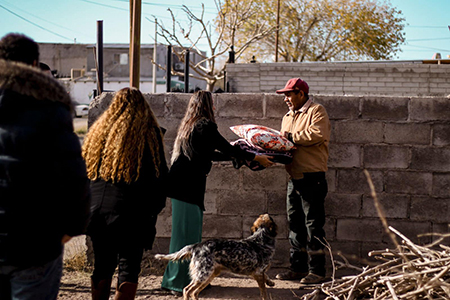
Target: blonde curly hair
column 114, row 146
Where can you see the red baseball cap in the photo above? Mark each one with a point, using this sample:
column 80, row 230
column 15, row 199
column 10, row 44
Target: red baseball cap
column 295, row 84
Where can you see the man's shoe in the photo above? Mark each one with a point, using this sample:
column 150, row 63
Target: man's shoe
column 312, row 278
column 291, row 275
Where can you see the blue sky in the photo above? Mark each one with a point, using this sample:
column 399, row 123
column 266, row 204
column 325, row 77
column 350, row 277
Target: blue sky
column 63, row 21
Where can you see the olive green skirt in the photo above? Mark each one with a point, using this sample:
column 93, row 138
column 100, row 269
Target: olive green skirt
column 187, row 221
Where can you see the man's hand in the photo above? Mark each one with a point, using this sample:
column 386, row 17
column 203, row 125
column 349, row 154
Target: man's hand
column 264, row 160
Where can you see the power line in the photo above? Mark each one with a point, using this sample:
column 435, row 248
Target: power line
column 39, row 26
column 437, row 49
column 42, row 19
column 106, row 5
column 417, row 26
column 434, row 39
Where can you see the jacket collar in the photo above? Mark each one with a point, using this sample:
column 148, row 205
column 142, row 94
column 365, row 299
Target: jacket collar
column 302, row 109
column 30, row 81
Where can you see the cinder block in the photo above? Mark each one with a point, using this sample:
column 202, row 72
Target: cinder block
column 276, row 202
column 239, row 105
column 224, row 124
column 281, row 256
column 344, row 155
column 157, row 104
column 365, row 230
column 354, row 181
column 211, row 200
column 340, row 107
column 229, row 227
column 430, row 159
column 238, row 202
column 275, row 106
column 411, row 230
column 392, row 206
column 331, row 180
column 439, row 228
column 330, row 228
column 343, row 205
column 385, row 108
column 441, row 134
column 350, row 250
column 270, row 179
column 161, row 245
column 404, row 182
column 358, row 131
column 428, row 208
column 171, row 126
column 224, row 177
column 97, row 106
column 407, row 133
column 164, row 221
column 386, row 157
column 429, row 109
column 441, row 185
column 176, row 104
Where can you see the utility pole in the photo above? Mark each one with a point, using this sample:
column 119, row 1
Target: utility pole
column 135, row 43
column 154, row 57
column 278, row 31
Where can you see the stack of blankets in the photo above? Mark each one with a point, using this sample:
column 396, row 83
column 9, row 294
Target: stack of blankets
column 261, row 140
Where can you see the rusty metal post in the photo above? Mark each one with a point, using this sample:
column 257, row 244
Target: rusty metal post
column 135, row 44
column 168, row 68
column 99, row 55
column 278, row 31
column 186, row 72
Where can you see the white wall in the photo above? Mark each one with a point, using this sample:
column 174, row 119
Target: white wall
column 83, row 91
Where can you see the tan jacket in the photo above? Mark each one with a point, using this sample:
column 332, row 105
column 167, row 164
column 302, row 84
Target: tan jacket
column 310, row 129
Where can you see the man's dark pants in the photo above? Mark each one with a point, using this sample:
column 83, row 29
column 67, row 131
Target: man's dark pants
column 306, row 217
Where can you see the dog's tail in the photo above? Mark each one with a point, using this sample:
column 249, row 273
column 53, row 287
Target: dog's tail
column 183, row 254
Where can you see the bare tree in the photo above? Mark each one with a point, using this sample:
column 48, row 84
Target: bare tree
column 229, row 20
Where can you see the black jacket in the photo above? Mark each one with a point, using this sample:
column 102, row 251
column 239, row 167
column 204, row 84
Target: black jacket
column 44, row 190
column 129, row 211
column 187, row 178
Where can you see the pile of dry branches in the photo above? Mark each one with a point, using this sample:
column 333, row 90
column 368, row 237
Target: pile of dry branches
column 409, row 271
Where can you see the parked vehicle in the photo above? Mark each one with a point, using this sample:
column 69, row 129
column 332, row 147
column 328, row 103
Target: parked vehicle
column 80, row 109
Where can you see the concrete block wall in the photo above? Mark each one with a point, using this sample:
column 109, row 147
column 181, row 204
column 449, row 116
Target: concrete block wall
column 404, row 142
column 344, row 78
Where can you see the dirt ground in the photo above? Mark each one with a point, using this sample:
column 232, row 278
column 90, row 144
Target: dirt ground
column 76, row 286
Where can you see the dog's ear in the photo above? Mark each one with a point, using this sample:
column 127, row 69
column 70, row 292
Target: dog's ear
column 273, row 228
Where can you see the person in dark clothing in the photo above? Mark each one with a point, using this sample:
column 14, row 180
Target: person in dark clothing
column 125, row 160
column 194, row 150
column 44, row 190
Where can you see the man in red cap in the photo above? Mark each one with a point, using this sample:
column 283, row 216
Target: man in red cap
column 306, row 125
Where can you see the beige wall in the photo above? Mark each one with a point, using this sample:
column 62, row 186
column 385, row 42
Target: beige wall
column 347, row 78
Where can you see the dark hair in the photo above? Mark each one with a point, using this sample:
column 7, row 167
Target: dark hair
column 20, row 48
column 200, row 107
column 44, row 67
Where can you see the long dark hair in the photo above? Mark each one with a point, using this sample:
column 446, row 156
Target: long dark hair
column 200, row 107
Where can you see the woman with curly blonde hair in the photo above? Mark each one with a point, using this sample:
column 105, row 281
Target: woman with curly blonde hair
column 195, row 147
column 125, row 161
